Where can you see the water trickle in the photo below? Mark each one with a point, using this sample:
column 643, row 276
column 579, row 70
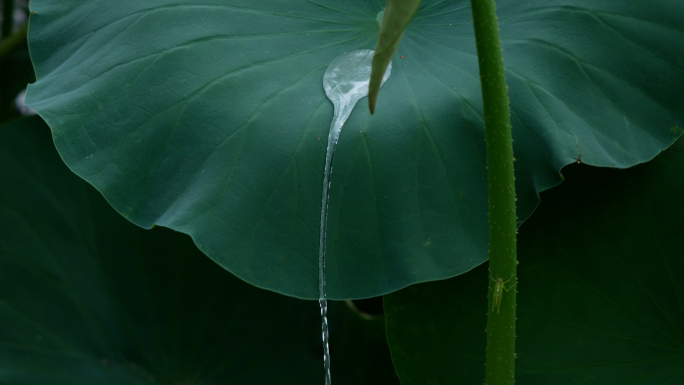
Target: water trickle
column 345, row 83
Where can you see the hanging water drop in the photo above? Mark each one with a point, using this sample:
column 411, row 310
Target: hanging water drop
column 345, row 83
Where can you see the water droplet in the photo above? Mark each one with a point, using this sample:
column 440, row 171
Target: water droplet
column 345, row 83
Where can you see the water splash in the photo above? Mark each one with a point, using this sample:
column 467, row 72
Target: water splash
column 345, row 83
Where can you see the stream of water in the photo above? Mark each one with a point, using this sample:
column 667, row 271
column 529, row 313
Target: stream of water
column 345, row 83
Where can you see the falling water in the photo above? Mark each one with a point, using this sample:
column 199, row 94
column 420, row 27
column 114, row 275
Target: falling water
column 345, row 83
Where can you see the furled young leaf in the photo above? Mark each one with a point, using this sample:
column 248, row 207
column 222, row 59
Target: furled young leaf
column 397, row 15
column 88, row 298
column 600, row 297
column 211, row 119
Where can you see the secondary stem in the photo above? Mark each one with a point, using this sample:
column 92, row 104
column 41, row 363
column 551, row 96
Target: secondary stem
column 9, row 44
column 8, row 18
column 500, row 366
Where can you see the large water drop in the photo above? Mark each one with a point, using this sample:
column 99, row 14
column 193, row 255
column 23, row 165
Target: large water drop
column 345, row 83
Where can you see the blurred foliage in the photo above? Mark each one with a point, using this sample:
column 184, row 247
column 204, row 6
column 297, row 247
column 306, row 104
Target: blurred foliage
column 15, row 71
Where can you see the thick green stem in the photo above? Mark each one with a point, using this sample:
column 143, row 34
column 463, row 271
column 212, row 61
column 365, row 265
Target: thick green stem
column 500, row 366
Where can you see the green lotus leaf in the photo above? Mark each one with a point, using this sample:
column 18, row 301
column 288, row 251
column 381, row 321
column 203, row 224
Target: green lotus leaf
column 599, row 291
column 210, row 118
